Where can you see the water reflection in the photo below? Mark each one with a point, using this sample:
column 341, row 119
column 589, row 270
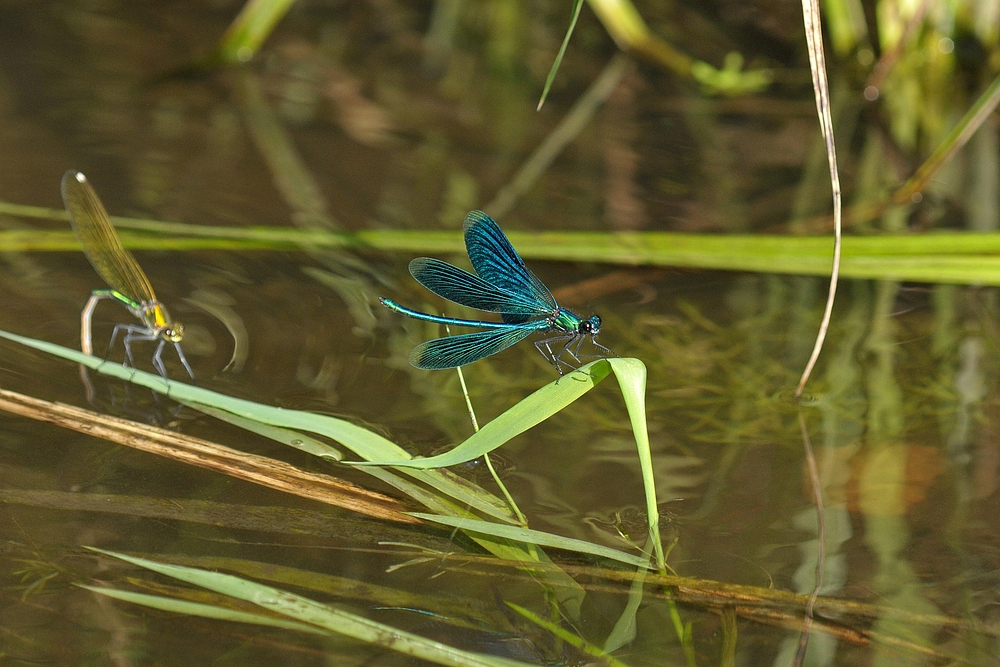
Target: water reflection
column 407, row 117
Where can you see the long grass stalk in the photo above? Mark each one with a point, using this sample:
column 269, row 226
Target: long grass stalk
column 955, row 258
column 821, row 91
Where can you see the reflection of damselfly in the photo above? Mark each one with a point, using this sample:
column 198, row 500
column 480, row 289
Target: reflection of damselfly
column 116, row 265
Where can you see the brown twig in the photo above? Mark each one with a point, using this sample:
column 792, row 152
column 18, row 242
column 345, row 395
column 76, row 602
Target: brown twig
column 204, row 454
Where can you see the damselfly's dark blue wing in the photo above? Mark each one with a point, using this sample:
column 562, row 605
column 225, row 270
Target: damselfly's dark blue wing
column 453, row 351
column 496, row 262
column 466, row 289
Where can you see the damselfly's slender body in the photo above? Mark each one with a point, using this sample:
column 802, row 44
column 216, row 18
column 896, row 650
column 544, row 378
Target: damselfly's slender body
column 502, row 284
column 116, row 265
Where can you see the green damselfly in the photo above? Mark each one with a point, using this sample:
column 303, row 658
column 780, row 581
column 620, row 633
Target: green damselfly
column 116, row 265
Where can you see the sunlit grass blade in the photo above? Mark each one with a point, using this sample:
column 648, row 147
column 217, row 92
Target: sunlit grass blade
column 549, row 400
column 325, row 617
column 537, row 537
column 285, row 436
column 529, row 412
column 631, row 374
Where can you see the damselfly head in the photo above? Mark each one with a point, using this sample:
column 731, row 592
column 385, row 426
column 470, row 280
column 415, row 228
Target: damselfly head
column 591, row 326
column 167, row 328
column 174, row 333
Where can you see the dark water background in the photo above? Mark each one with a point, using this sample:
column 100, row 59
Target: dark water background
column 404, row 125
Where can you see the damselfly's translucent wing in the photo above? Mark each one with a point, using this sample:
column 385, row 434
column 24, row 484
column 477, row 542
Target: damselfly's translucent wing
column 466, row 289
column 453, row 351
column 496, row 262
column 100, row 241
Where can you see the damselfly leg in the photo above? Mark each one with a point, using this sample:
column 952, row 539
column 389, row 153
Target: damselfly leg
column 571, row 347
column 138, row 332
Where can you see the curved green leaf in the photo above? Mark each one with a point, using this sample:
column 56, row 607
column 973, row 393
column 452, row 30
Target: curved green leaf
column 527, row 413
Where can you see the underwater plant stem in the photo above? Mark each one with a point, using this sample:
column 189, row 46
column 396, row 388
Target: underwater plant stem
column 807, row 623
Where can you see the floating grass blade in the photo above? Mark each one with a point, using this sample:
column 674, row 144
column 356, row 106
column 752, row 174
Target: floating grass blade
column 463, row 493
column 952, row 258
column 547, row 401
column 537, row 537
column 285, row 436
column 321, row 616
column 189, row 608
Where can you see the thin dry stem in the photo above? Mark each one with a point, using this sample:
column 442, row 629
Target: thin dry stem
column 821, row 89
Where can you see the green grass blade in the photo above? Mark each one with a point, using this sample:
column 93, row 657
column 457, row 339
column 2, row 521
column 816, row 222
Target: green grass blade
column 250, row 28
column 576, row 642
column 537, row 537
column 285, row 436
column 631, row 374
column 320, row 615
column 577, row 5
column 361, row 441
column 189, row 608
column 527, row 413
column 956, row 258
